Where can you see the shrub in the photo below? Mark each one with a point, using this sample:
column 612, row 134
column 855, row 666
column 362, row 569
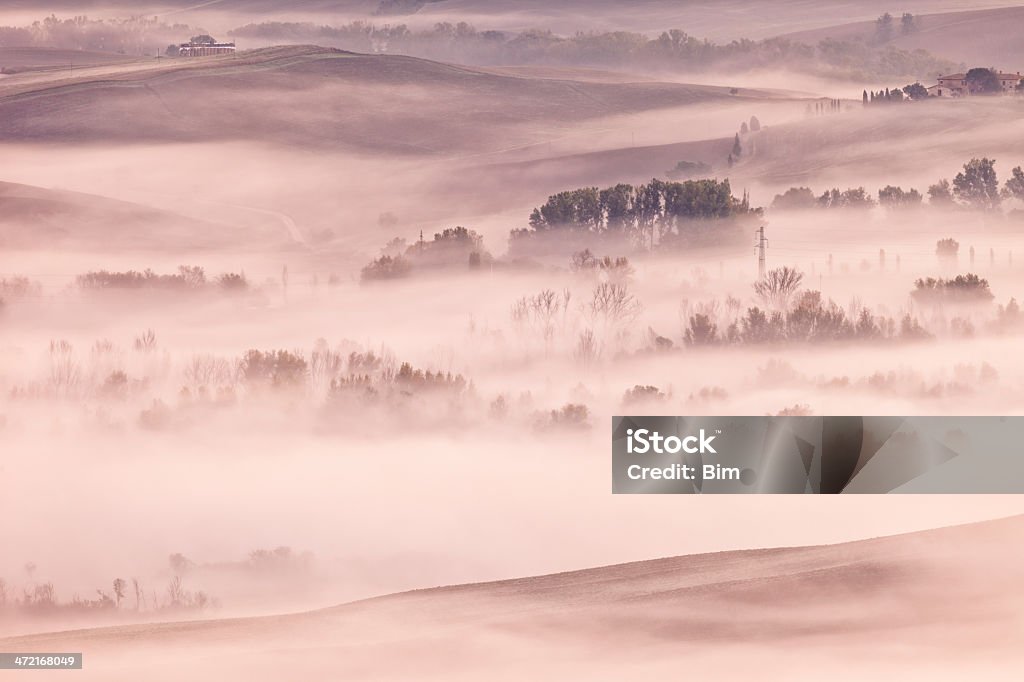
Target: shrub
column 569, row 416
column 947, row 248
column 18, row 287
column 642, row 394
column 231, row 281
column 688, row 169
column 386, row 267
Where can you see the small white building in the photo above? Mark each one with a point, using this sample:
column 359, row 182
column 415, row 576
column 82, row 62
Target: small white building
column 205, row 49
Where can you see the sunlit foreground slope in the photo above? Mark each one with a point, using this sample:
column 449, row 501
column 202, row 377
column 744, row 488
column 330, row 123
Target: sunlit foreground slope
column 931, row 605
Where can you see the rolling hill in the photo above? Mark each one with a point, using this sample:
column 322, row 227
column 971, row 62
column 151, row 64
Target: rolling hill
column 981, row 37
column 918, row 142
column 904, row 606
column 322, row 98
column 39, row 218
column 20, row 59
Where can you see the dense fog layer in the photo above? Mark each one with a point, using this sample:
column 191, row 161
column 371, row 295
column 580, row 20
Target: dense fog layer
column 283, row 430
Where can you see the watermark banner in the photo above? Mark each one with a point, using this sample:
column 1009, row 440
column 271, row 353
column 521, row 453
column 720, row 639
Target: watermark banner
column 817, row 455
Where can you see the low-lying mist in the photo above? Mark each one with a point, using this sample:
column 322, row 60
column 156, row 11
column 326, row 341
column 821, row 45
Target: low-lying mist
column 306, row 423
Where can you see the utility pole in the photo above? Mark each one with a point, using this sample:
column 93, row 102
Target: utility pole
column 761, row 245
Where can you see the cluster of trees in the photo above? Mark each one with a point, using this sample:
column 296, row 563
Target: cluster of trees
column 324, row 371
column 386, row 267
column 788, row 314
column 41, row 599
column 800, row 198
column 17, row 287
column 976, row 186
column 452, row 247
column 689, row 169
column 737, row 143
column 278, row 370
column 386, row 384
column 669, row 211
column 914, row 91
column 188, row 278
column 862, row 60
column 967, row 288
column 885, row 26
column 811, row 319
column 132, row 35
column 673, row 48
column 828, row 106
column 617, row 270
column 892, row 196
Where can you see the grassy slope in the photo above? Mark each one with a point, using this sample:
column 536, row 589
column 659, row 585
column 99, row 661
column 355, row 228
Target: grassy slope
column 990, row 37
column 35, row 217
column 927, row 591
column 304, row 96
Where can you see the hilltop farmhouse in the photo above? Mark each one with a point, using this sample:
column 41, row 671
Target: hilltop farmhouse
column 957, row 85
column 201, row 46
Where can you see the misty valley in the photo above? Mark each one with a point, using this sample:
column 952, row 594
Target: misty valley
column 314, row 317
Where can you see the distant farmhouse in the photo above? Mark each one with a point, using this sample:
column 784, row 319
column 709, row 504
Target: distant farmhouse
column 201, row 46
column 960, row 85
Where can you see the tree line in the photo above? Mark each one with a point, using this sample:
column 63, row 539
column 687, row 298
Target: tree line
column 463, row 42
column 666, row 209
column 976, row 186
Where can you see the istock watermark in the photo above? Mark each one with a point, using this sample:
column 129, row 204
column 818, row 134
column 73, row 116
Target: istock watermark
column 642, row 441
column 817, row 455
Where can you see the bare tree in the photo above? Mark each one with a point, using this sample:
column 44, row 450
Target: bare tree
column 611, row 310
column 586, row 352
column 119, row 588
column 146, row 342
column 65, row 373
column 44, row 595
column 203, row 372
column 613, row 304
column 324, row 366
column 176, row 595
column 540, row 314
column 778, row 287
